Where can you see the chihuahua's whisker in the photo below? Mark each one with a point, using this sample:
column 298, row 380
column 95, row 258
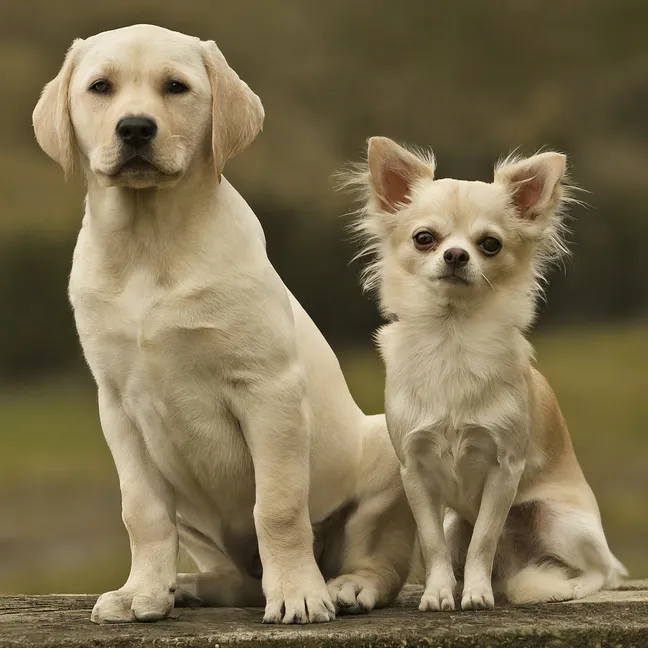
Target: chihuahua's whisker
column 487, row 280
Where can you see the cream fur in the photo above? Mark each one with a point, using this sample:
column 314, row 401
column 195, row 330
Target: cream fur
column 475, row 426
column 228, row 418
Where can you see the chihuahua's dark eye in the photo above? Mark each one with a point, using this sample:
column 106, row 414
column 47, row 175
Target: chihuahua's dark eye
column 424, row 240
column 100, row 86
column 176, row 87
column 490, row 245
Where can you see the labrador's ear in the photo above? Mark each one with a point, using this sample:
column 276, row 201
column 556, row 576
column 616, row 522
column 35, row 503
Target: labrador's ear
column 51, row 117
column 237, row 113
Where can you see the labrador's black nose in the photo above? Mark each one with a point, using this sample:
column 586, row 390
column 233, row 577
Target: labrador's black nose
column 136, row 131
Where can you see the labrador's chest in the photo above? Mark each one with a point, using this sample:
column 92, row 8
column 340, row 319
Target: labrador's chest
column 159, row 349
column 137, row 332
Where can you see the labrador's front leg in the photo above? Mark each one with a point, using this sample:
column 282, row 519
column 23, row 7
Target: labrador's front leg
column 274, row 417
column 148, row 512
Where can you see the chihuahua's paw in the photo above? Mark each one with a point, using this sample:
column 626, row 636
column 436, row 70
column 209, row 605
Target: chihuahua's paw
column 298, row 598
column 437, row 598
column 478, row 598
column 352, row 594
column 129, row 606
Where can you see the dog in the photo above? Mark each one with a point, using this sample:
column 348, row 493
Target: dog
column 227, row 415
column 458, row 267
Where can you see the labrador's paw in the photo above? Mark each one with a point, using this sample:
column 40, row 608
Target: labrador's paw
column 298, row 598
column 352, row 594
column 128, row 606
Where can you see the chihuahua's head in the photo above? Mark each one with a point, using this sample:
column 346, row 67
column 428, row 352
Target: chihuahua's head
column 452, row 242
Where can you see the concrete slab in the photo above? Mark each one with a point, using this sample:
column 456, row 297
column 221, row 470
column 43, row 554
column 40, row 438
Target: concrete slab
column 616, row 619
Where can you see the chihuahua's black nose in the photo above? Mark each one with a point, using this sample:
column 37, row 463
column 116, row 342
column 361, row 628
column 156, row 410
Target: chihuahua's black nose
column 136, row 130
column 456, row 257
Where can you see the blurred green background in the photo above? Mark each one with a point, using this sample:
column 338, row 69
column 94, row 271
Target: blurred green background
column 471, row 79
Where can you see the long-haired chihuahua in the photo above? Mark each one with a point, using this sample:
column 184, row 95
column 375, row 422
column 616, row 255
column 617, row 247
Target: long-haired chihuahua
column 486, row 458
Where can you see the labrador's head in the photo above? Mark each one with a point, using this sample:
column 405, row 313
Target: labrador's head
column 139, row 105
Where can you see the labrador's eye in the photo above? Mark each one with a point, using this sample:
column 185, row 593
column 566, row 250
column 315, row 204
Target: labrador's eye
column 424, row 240
column 100, row 86
column 490, row 245
column 176, row 87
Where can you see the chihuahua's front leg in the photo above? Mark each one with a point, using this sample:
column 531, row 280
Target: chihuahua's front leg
column 274, row 417
column 499, row 493
column 428, row 512
column 148, row 512
column 418, row 453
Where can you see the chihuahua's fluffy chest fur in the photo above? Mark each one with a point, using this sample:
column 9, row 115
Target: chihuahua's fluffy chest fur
column 459, row 391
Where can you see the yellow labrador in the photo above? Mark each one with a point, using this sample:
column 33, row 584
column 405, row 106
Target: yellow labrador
column 227, row 415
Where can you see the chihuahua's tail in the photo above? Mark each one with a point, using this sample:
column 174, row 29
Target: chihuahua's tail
column 617, row 574
column 551, row 582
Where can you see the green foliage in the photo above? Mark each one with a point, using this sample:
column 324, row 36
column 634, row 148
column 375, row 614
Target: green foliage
column 37, row 333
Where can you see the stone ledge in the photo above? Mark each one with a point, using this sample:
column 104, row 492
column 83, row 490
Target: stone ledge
column 617, row 619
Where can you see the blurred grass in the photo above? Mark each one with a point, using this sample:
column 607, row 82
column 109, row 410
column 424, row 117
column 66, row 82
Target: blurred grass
column 102, row 573
column 52, row 432
column 59, row 497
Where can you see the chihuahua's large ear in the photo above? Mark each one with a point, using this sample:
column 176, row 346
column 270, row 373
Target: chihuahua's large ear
column 237, row 113
column 393, row 171
column 51, row 117
column 534, row 183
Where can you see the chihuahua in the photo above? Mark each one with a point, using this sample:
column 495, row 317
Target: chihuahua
column 486, row 459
